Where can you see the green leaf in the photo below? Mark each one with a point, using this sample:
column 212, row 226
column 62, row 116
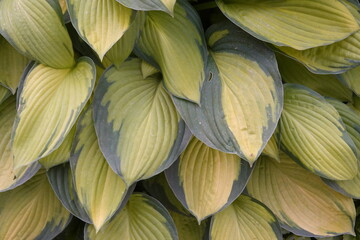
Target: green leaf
column 188, row 227
column 143, row 217
column 60, row 155
column 272, row 148
column 123, row 48
column 242, row 100
column 206, row 180
column 300, row 24
column 9, row 178
column 12, row 65
column 326, row 85
column 99, row 189
column 100, row 23
column 36, row 29
column 314, row 135
column 300, row 200
column 176, row 44
column 50, row 101
column 150, row 5
column 351, row 79
column 32, row 211
column 4, row 94
column 344, row 55
column 351, row 121
column 139, row 130
column 246, row 218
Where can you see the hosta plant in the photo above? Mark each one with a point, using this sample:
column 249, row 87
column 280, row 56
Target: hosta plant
column 179, row 119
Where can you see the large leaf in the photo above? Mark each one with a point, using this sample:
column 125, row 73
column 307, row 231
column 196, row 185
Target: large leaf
column 99, row 189
column 139, row 130
column 351, row 120
column 8, row 177
column 242, row 100
column 188, row 228
column 150, row 5
column 313, row 133
column 143, row 218
column 300, row 24
column 123, row 48
column 344, row 55
column 101, row 23
column 206, row 180
column 300, row 200
column 12, row 65
column 60, row 178
column 246, row 218
column 32, row 211
column 49, row 104
column 60, row 155
column 176, row 44
column 326, row 85
column 351, row 79
column 36, row 29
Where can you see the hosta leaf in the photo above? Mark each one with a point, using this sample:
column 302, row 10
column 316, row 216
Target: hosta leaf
column 302, row 203
column 176, row 44
column 188, row 227
column 159, row 188
column 49, row 104
column 139, row 130
column 272, row 148
column 242, row 100
column 351, row 79
column 351, row 120
column 63, row 6
column 142, row 218
column 344, row 55
column 246, row 218
column 300, row 24
column 148, row 69
column 8, row 177
column 60, row 178
column 314, row 135
column 12, row 65
column 206, row 180
column 326, row 85
column 60, row 155
column 150, row 5
column 32, row 211
column 101, row 23
column 123, row 48
column 99, row 189
column 4, row 94
column 36, row 29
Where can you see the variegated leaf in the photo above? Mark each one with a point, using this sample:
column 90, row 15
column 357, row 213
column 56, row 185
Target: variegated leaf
column 150, row 5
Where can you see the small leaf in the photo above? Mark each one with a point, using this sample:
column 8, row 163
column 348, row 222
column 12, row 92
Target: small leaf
column 351, row 120
column 4, row 94
column 246, row 218
column 272, row 148
column 326, row 85
column 314, row 135
column 300, row 24
column 12, row 65
column 242, row 100
column 9, row 178
column 32, row 211
column 176, row 44
column 99, row 189
column 188, row 227
column 150, row 5
column 139, row 130
column 206, row 180
column 49, row 104
column 23, row 24
column 351, row 79
column 301, row 201
column 143, row 217
column 100, row 23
